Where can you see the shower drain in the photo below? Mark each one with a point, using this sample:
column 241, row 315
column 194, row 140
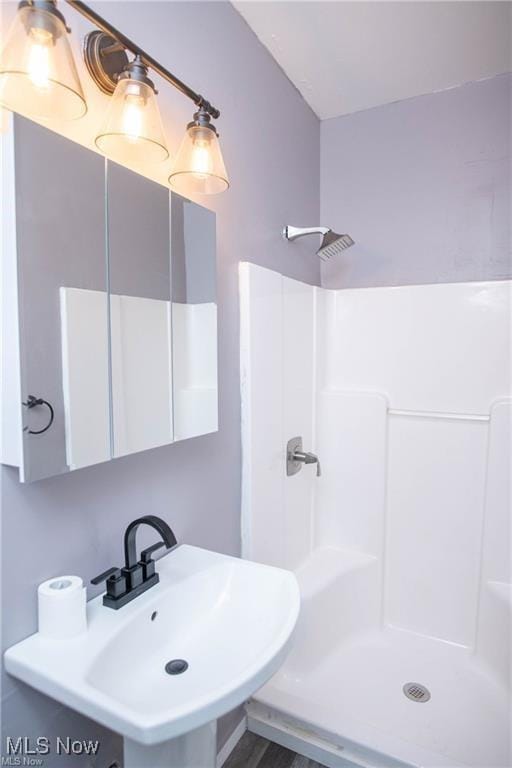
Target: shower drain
column 416, row 692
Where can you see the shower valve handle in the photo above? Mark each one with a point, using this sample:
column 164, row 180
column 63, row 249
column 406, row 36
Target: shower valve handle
column 308, row 458
column 296, row 457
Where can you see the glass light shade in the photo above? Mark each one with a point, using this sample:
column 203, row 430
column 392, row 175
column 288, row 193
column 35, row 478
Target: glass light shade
column 38, row 76
column 133, row 131
column 199, row 167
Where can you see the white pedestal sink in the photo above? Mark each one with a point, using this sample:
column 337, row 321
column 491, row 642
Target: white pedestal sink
column 230, row 620
column 196, row 749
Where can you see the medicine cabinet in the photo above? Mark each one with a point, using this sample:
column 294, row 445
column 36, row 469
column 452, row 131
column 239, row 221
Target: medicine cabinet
column 109, row 308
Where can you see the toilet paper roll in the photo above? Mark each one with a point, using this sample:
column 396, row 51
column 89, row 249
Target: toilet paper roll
column 61, row 606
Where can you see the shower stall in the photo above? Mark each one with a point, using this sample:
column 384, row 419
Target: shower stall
column 402, row 545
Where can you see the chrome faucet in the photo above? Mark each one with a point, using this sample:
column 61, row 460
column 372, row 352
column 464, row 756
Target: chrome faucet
column 137, row 576
column 296, row 457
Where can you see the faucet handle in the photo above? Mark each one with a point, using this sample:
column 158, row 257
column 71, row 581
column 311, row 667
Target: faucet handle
column 147, row 562
column 145, row 555
column 115, row 572
column 116, row 581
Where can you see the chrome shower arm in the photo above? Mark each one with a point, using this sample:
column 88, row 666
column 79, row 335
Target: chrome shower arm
column 292, row 233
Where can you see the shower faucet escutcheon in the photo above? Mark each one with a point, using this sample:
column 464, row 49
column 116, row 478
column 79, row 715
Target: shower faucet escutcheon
column 137, row 576
column 296, row 457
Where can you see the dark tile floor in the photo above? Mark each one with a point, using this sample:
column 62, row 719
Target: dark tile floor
column 254, row 752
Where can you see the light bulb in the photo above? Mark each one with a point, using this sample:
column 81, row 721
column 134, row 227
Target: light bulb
column 201, row 161
column 38, row 64
column 132, row 113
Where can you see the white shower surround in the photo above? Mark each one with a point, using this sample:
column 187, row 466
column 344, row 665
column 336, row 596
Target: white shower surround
column 402, row 547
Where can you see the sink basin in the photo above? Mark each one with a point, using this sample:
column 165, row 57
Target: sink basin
column 231, row 620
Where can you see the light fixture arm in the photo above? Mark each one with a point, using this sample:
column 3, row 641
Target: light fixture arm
column 146, row 59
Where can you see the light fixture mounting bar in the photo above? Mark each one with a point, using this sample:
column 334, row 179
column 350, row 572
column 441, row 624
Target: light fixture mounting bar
column 147, row 60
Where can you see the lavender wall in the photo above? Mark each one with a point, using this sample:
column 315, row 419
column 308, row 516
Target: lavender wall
column 74, row 523
column 423, row 186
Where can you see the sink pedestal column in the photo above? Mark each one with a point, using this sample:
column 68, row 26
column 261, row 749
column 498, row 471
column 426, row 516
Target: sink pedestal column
column 196, row 749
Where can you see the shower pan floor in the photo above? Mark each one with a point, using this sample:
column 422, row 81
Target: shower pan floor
column 356, row 694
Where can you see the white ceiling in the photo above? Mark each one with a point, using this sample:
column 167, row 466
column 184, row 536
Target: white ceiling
column 347, row 56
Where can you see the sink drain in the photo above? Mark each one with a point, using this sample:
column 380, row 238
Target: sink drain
column 176, row 667
column 416, row 692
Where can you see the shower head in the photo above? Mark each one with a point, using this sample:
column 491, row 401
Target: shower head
column 332, row 243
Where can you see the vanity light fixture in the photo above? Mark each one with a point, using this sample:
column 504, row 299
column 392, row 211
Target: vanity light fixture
column 133, row 131
column 199, row 167
column 133, row 123
column 38, row 78
column 38, row 75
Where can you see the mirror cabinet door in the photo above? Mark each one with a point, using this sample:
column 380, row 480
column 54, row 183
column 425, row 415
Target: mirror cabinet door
column 140, row 311
column 194, row 318
column 62, row 301
column 117, row 308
